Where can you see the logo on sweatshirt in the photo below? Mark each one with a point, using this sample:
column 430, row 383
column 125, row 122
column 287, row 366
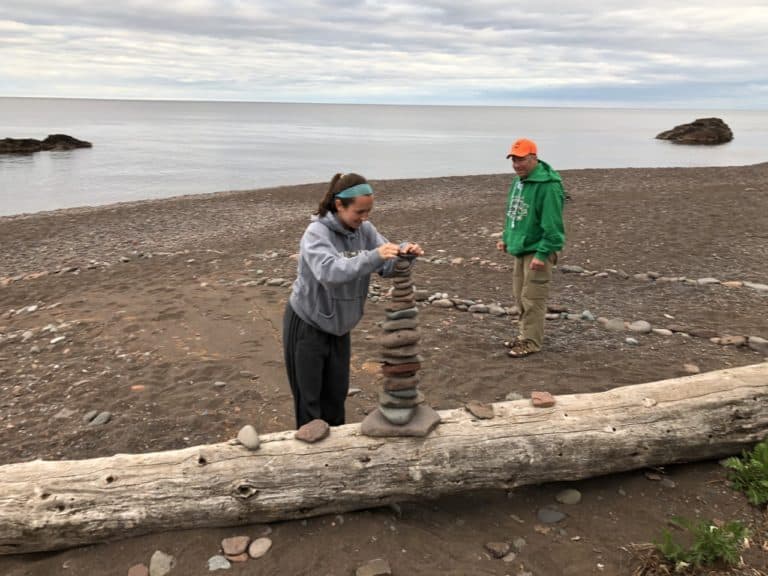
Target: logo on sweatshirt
column 350, row 253
column 518, row 209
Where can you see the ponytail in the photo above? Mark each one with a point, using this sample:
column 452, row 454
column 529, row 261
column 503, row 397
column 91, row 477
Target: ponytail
column 338, row 183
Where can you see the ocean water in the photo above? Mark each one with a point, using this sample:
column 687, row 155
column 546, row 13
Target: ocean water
column 156, row 149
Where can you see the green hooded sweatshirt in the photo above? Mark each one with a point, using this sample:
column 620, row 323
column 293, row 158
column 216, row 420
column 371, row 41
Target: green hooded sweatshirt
column 534, row 221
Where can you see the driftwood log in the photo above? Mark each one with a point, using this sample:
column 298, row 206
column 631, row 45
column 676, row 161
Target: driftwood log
column 48, row 505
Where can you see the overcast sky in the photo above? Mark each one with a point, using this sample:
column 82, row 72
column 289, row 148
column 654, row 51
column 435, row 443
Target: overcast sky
column 705, row 54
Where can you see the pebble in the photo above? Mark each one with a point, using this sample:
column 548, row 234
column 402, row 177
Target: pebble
column 100, row 419
column 691, row 368
column 542, row 399
column 138, row 570
column 758, row 344
column 496, row 310
column 497, row 549
column 443, row 303
column 377, row 567
column 219, row 384
column 519, row 543
column 631, row 341
column 568, row 269
column 640, row 326
column 662, row 332
column 614, row 324
column 161, row 563
column 235, row 545
column 707, row 281
column 550, row 515
column 588, row 316
column 512, row 396
column 259, row 547
column 249, row 438
column 569, row 496
column 757, row 286
column 218, row 563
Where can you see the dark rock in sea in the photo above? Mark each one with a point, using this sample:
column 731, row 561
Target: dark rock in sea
column 30, row 145
column 706, row 131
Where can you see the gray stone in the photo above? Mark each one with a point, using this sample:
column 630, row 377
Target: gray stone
column 512, row 396
column 662, row 332
column 404, row 393
column 519, row 543
column 567, row 269
column 90, row 415
column 64, row 413
column 400, row 314
column 640, row 326
column 218, row 563
column 707, row 281
column 161, row 564
column 404, row 324
column 550, row 515
column 400, row 383
column 495, row 310
column 259, row 547
column 631, row 341
column 101, row 419
column 478, row 309
column 249, row 438
column 388, row 400
column 443, row 303
column 422, row 421
column 758, row 344
column 757, row 286
column 400, row 338
column 396, row 415
column 588, row 316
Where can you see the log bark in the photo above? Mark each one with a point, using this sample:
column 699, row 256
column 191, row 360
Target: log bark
column 48, row 505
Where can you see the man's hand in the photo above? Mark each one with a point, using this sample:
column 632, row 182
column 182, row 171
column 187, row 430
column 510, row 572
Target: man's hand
column 537, row 264
column 500, row 246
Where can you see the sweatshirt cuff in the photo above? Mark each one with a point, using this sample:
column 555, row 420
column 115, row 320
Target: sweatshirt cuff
column 543, row 256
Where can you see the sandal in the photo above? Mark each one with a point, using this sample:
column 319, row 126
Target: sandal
column 512, row 343
column 521, row 349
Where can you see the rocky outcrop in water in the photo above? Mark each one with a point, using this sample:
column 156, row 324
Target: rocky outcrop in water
column 707, row 131
column 30, row 145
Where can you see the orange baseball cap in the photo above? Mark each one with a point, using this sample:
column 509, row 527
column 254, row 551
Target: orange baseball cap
column 522, row 147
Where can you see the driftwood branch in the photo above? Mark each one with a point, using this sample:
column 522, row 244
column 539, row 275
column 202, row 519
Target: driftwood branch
column 50, row 505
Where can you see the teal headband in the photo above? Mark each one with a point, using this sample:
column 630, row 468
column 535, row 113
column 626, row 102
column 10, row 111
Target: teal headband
column 358, row 190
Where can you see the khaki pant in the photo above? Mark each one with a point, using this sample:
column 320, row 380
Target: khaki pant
column 531, row 289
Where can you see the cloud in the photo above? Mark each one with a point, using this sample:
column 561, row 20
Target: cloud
column 434, row 51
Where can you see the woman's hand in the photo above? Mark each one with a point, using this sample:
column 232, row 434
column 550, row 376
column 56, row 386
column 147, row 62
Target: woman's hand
column 411, row 248
column 388, row 251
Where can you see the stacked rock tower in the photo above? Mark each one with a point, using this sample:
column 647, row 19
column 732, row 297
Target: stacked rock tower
column 401, row 411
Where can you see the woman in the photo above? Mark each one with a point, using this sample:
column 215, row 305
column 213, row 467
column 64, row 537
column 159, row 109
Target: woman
column 338, row 253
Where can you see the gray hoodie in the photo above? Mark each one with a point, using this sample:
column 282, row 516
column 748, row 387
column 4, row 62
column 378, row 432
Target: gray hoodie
column 335, row 266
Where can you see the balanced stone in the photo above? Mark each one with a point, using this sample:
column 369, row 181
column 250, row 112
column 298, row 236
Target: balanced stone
column 405, row 323
column 399, row 383
column 401, row 283
column 400, row 314
column 387, row 400
column 400, row 338
column 399, row 306
column 405, row 393
column 401, row 352
column 402, row 294
column 398, row 416
column 404, row 360
column 390, row 369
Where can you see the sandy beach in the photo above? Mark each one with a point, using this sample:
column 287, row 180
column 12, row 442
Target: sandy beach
column 167, row 314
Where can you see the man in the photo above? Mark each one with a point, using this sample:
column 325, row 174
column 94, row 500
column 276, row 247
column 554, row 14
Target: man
column 533, row 234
